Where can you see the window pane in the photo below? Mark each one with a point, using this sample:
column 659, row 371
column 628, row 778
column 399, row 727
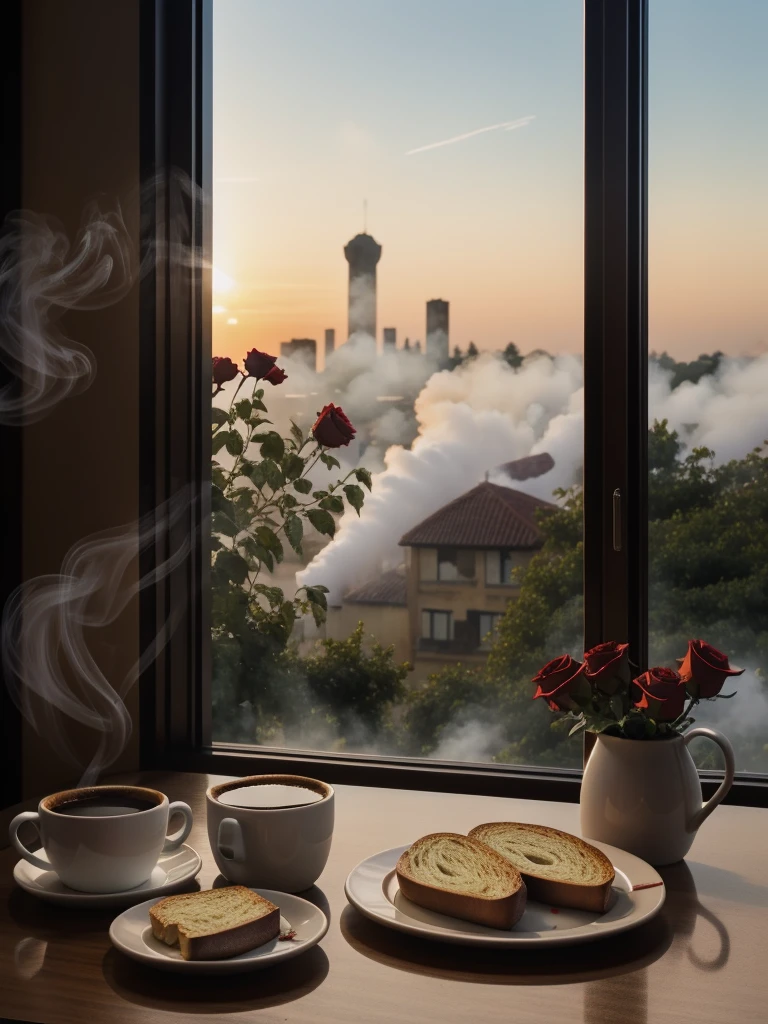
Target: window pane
column 708, row 371
column 398, row 228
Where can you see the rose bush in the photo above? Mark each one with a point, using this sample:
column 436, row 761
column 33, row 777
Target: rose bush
column 601, row 696
column 264, row 497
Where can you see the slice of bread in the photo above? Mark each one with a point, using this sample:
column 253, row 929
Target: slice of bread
column 558, row 868
column 216, row 923
column 456, row 875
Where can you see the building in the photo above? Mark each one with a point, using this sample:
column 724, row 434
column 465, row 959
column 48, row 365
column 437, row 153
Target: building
column 441, row 607
column 301, row 348
column 390, row 337
column 330, row 341
column 437, row 340
column 363, row 252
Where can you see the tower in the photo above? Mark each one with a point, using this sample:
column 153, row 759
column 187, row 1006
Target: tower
column 390, row 337
column 363, row 252
column 437, row 347
column 330, row 340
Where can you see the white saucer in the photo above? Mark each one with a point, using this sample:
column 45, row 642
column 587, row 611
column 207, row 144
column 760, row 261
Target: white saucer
column 172, row 871
column 372, row 888
column 131, row 933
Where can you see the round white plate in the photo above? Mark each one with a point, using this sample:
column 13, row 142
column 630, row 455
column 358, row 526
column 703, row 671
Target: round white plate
column 131, row 933
column 372, row 888
column 172, row 871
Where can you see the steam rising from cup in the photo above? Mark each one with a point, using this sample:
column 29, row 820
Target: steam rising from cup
column 49, row 668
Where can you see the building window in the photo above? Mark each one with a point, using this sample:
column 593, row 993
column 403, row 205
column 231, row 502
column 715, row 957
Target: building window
column 499, row 566
column 489, row 622
column 455, row 564
column 436, row 625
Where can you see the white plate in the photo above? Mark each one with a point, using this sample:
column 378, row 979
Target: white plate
column 131, row 933
column 372, row 888
column 172, row 871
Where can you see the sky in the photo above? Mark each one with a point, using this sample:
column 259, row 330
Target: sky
column 320, row 104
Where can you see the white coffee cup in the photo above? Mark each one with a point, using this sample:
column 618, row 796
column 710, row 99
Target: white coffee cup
column 102, row 838
column 283, row 848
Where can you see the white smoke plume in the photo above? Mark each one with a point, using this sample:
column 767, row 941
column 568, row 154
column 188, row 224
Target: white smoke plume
column 470, row 420
column 484, row 413
column 49, row 668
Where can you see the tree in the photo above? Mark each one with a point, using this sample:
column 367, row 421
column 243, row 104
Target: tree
column 472, row 351
column 512, row 355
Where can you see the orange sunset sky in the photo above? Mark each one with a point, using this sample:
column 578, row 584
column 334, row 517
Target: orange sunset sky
column 319, row 106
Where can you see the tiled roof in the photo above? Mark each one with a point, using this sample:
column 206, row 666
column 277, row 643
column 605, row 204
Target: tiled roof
column 390, row 588
column 488, row 516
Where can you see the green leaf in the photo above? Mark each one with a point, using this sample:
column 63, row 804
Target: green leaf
column 316, row 595
column 364, row 477
column 319, row 494
column 233, row 565
column 257, row 421
column 273, row 474
column 268, row 539
column 258, row 404
column 293, row 467
column 219, row 477
column 218, row 416
column 234, row 442
column 243, row 409
column 221, row 523
column 617, row 707
column 216, row 544
column 255, row 471
column 579, row 725
column 318, row 614
column 219, row 441
column 303, row 486
column 288, row 615
column 266, row 557
column 333, row 503
column 322, row 521
column 294, row 531
column 329, row 461
column 289, row 501
column 273, row 447
column 297, row 434
column 355, row 496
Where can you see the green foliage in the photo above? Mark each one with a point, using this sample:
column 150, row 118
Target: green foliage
column 253, row 502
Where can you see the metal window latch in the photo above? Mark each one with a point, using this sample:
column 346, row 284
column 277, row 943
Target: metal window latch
column 617, row 520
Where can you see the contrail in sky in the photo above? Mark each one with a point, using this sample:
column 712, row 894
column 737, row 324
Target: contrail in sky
column 521, row 122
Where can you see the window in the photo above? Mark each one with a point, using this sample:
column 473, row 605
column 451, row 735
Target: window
column 411, row 250
column 499, row 566
column 708, row 368
column 455, row 564
column 436, row 625
column 262, row 273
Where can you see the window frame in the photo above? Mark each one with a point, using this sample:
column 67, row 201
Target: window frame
column 175, row 445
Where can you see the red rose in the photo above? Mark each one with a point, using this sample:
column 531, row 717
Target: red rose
column 258, row 364
column 662, row 694
column 332, row 429
column 607, row 666
column 276, row 375
column 704, row 669
column 560, row 681
column 223, row 370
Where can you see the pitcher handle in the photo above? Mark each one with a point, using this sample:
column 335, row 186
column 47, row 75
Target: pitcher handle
column 730, row 767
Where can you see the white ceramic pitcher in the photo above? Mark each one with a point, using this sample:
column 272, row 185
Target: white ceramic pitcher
column 644, row 796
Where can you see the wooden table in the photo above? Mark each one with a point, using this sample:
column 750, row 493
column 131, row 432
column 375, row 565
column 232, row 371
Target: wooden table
column 702, row 960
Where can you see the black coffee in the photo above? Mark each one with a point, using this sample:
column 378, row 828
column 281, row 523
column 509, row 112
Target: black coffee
column 104, row 806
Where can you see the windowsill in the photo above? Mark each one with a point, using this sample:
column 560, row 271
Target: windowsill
column 449, row 583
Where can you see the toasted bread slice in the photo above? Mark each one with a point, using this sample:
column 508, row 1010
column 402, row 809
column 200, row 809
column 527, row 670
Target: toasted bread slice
column 558, row 868
column 216, row 923
column 455, row 875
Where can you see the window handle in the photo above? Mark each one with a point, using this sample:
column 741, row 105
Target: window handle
column 617, row 520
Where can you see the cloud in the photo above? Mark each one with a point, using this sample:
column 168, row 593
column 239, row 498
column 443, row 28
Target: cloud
column 507, row 126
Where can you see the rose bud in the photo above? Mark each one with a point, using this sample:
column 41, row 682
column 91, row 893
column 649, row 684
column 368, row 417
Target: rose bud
column 223, row 370
column 704, row 669
column 332, row 429
column 661, row 694
column 607, row 667
column 562, row 684
column 276, row 375
column 258, row 364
